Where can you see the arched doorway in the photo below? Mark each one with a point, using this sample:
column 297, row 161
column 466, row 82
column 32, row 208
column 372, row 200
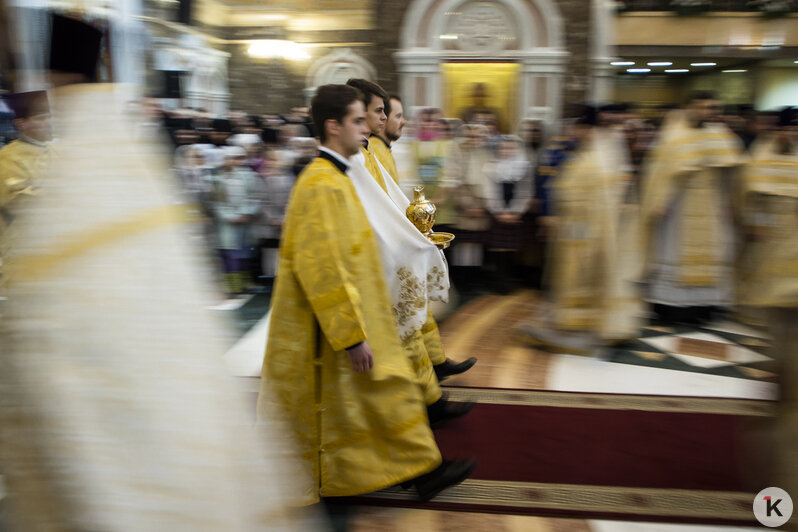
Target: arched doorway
column 525, row 36
column 337, row 67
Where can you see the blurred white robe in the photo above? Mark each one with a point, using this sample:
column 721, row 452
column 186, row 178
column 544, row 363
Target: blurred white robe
column 116, row 410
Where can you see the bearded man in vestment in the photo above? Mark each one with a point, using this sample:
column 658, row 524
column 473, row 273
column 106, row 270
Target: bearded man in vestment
column 686, row 214
column 334, row 360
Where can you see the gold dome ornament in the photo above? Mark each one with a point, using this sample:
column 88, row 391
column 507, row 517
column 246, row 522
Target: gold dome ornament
column 421, row 212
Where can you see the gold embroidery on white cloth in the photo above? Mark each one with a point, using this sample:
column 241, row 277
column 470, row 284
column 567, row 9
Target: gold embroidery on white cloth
column 436, row 282
column 412, row 299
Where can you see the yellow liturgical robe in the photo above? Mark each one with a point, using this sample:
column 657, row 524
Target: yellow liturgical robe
column 373, row 167
column 21, row 163
column 687, row 173
column 768, row 264
column 383, row 154
column 358, row 432
column 584, row 254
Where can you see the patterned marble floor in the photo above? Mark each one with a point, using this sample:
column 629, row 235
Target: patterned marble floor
column 723, row 359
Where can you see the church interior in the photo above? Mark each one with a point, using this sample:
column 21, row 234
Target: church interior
column 597, row 402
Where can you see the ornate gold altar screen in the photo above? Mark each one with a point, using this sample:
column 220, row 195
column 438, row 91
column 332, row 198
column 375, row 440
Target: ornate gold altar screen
column 498, row 94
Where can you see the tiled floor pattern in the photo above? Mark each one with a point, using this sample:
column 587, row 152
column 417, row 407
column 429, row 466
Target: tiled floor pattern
column 724, row 359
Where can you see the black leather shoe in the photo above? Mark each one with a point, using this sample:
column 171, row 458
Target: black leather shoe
column 448, row 368
column 446, row 475
column 442, row 411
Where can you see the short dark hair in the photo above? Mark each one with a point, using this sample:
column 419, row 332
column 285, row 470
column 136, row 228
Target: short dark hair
column 388, row 108
column 331, row 102
column 369, row 89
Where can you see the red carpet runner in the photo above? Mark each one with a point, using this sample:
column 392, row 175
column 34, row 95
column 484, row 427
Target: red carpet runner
column 599, row 455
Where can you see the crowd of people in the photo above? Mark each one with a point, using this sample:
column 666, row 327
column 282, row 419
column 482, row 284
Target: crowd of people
column 492, row 189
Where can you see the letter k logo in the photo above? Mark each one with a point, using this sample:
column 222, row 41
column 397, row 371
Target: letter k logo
column 772, row 507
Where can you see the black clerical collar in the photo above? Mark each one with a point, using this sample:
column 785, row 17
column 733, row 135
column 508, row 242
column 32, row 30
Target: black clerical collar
column 336, row 158
column 381, row 139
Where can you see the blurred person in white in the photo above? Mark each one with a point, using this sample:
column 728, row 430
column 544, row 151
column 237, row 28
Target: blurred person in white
column 471, row 219
column 194, row 174
column 508, row 188
column 285, row 152
column 256, row 161
column 116, row 411
column 235, row 204
column 253, row 145
column 507, row 193
column 305, row 149
column 24, row 160
column 588, row 307
column 686, row 214
column 768, row 276
column 277, row 184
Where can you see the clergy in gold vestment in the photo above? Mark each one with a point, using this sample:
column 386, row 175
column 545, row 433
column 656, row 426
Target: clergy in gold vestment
column 686, row 208
column 768, row 277
column 769, row 200
column 593, row 298
column 334, row 361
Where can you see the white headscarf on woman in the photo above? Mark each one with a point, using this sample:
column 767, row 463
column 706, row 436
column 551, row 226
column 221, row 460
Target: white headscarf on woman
column 507, row 188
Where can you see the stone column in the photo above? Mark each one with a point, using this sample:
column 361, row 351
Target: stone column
column 602, row 51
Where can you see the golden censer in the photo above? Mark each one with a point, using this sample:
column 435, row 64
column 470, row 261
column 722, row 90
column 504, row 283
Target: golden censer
column 422, row 213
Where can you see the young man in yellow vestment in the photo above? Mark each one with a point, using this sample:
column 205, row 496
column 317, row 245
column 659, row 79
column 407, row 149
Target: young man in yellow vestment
column 334, row 360
column 424, row 345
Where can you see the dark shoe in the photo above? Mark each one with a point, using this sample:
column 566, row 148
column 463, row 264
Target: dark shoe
column 446, row 475
column 442, row 411
column 448, row 368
